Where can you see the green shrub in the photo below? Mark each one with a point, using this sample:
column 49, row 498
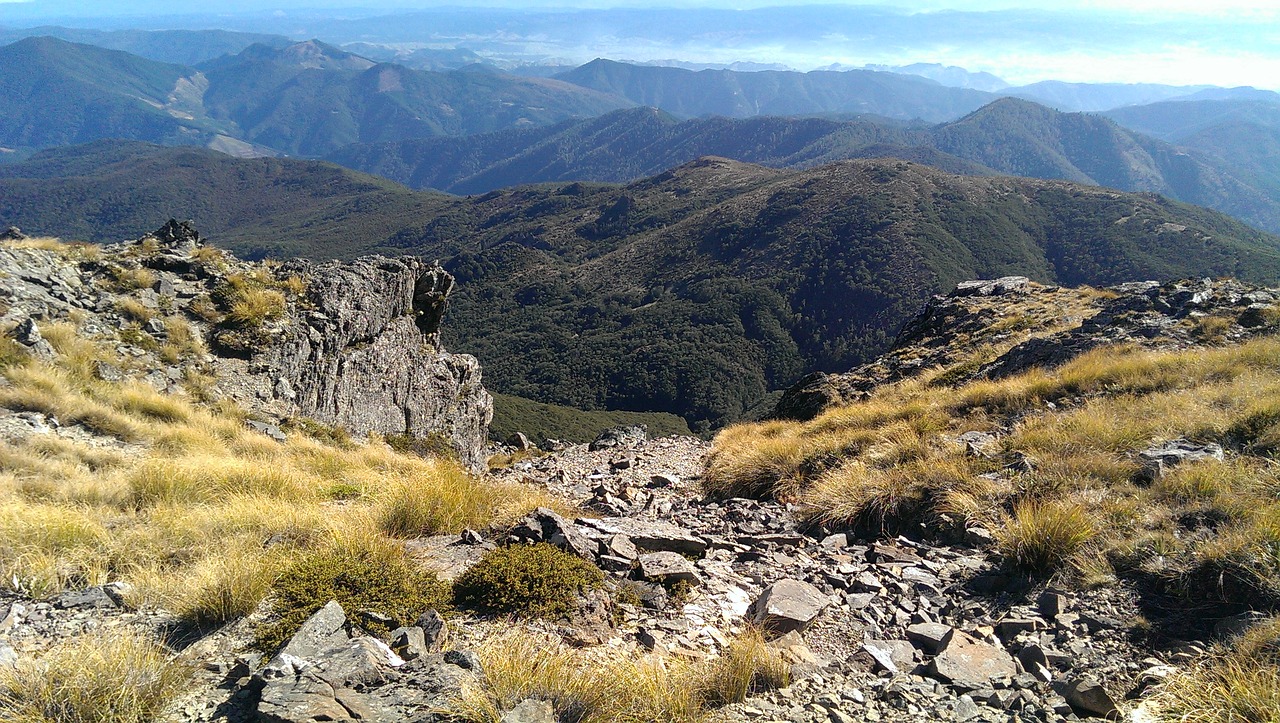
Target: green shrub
column 376, row 577
column 528, row 580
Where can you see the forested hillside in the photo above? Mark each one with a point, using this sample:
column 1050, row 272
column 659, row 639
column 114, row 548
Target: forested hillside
column 697, row 291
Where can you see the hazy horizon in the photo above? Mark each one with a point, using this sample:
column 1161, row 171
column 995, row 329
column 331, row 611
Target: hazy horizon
column 1177, row 42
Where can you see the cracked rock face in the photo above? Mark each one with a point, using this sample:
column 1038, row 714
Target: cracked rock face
column 367, row 356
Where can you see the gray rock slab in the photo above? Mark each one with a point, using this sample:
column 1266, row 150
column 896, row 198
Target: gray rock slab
column 970, row 663
column 667, row 567
column 787, row 605
column 651, row 536
column 530, row 710
column 324, row 630
column 930, row 637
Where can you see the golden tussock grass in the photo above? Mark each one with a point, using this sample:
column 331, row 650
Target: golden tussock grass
column 1239, row 683
column 892, row 460
column 183, row 505
column 625, row 688
column 72, row 250
column 114, row 675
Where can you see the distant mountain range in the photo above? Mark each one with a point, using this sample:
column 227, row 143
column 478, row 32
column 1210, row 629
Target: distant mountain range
column 306, row 99
column 184, row 47
column 1008, row 136
column 739, row 95
column 696, row 291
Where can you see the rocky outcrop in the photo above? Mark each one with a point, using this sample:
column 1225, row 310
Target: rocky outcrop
column 364, row 353
column 1020, row 325
column 352, row 344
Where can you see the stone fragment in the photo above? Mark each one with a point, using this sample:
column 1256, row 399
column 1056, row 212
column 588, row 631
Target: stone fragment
column 1236, row 625
column 970, row 664
column 520, row 442
column 8, row 656
column 530, row 710
column 434, row 632
column 1087, row 695
column 409, row 643
column 465, row 659
column 1009, row 628
column 667, row 567
column 894, row 656
column 787, row 605
column 659, row 481
column 619, row 546
column 1156, row 461
column 1036, row 662
column 90, row 597
column 1052, row 603
column 270, row 430
column 930, row 637
column 996, row 287
column 651, row 536
column 837, row 541
column 620, row 437
column 324, row 630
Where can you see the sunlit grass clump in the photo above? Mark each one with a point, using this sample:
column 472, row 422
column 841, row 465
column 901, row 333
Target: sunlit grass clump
column 1062, row 489
column 181, row 499
column 109, row 676
column 604, row 688
column 1237, row 684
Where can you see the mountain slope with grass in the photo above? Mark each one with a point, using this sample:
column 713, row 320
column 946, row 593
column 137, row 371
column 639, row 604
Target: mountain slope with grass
column 1073, row 488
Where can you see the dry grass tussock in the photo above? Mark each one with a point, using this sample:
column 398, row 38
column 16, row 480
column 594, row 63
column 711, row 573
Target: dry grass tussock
column 893, row 461
column 182, row 504
column 109, row 676
column 618, row 688
column 1238, row 684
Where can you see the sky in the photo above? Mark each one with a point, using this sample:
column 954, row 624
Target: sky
column 1179, row 42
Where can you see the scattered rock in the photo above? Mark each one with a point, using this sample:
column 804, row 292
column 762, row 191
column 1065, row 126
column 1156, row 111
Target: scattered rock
column 787, row 605
column 1156, row 461
column 931, row 637
column 8, row 656
column 970, row 663
column 620, row 437
column 1088, row 696
column 997, row 287
column 530, row 710
column 667, row 567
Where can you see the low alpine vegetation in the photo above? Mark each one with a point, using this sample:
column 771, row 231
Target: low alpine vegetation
column 361, row 572
column 1060, row 482
column 527, row 580
column 602, row 687
column 110, row 676
column 1238, row 682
